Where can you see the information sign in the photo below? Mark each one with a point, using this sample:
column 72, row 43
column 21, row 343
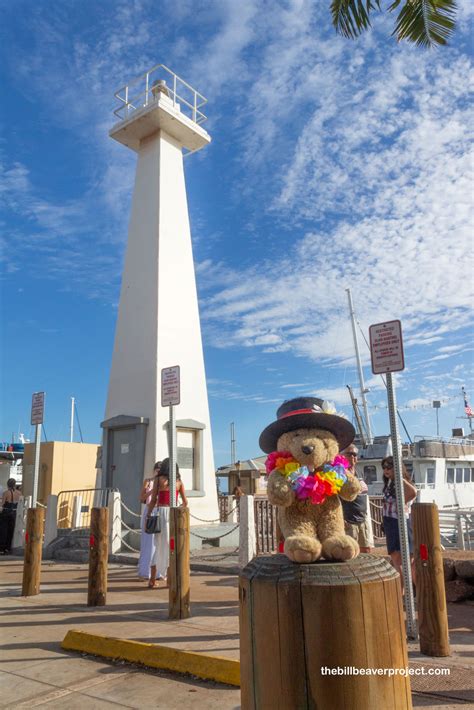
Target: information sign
column 170, row 386
column 37, row 408
column 386, row 347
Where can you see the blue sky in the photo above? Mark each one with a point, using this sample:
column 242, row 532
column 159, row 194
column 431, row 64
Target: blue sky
column 333, row 164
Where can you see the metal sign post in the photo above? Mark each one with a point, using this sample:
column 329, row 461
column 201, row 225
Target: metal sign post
column 37, row 415
column 170, row 396
column 386, row 350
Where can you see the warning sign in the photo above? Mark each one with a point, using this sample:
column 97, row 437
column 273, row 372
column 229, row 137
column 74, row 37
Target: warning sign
column 37, row 408
column 170, row 386
column 386, row 347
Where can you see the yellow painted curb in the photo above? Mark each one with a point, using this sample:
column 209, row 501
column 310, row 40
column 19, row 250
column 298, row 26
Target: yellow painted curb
column 218, row 668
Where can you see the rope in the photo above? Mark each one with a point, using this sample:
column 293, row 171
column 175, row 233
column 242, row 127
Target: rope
column 133, row 549
column 134, row 530
column 137, row 515
column 216, row 537
column 216, row 558
column 217, row 520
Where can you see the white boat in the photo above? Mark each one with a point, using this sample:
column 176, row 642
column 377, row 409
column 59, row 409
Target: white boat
column 442, row 469
column 11, row 461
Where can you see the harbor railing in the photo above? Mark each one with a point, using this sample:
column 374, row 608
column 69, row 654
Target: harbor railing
column 74, row 506
column 457, row 528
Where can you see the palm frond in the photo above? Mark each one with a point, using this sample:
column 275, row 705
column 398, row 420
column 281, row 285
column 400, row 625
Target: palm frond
column 352, row 17
column 425, row 22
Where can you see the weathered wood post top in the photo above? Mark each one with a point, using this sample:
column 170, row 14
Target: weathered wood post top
column 322, row 635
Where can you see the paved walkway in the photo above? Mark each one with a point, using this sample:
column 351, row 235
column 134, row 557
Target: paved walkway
column 35, row 671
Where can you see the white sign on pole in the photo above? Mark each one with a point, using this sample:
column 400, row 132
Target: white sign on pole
column 386, row 347
column 37, row 408
column 170, row 386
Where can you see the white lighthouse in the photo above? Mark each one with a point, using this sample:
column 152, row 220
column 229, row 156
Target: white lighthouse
column 158, row 325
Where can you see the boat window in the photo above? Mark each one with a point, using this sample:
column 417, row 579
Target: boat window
column 430, row 476
column 370, row 474
column 459, row 475
column 450, row 475
column 467, row 475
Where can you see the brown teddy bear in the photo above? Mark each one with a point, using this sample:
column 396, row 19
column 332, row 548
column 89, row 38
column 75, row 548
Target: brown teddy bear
column 307, row 477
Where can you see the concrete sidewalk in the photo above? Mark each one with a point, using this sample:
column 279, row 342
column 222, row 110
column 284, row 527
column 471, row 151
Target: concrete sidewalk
column 35, row 671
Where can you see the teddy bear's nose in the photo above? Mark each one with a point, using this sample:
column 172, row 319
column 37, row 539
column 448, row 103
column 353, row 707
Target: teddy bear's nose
column 307, row 449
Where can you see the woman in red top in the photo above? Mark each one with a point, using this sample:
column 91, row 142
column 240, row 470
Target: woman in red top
column 161, row 498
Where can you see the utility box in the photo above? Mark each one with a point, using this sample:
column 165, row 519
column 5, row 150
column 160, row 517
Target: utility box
column 63, row 466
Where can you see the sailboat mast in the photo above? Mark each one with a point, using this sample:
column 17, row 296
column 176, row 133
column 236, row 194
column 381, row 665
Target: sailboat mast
column 72, row 419
column 358, row 418
column 359, row 368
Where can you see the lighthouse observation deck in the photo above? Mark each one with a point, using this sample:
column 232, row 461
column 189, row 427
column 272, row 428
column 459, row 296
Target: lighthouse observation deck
column 159, row 100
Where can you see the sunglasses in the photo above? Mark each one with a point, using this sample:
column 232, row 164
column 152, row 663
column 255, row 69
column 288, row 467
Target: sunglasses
column 351, row 453
column 387, row 467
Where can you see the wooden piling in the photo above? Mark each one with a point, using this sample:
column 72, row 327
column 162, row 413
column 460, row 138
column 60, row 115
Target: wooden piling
column 98, row 557
column 430, row 589
column 178, row 579
column 308, row 633
column 33, row 552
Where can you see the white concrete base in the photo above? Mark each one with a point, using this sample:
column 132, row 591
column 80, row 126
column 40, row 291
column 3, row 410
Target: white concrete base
column 248, row 539
column 115, row 522
column 51, row 520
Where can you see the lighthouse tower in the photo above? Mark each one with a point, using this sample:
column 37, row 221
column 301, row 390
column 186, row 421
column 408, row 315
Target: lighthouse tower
column 158, row 326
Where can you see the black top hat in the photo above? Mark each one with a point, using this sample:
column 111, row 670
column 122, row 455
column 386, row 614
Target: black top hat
column 305, row 413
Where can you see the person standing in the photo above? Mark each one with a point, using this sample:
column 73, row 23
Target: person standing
column 356, row 512
column 10, row 500
column 390, row 513
column 147, row 542
column 161, row 497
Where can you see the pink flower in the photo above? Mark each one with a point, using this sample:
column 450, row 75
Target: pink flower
column 276, row 458
column 304, row 487
column 340, row 461
column 321, row 490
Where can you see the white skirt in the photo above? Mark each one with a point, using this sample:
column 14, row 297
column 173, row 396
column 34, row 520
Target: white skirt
column 147, row 547
column 161, row 555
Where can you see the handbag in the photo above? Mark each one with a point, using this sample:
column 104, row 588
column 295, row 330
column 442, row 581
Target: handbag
column 153, row 524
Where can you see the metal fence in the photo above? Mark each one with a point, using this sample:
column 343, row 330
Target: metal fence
column 457, row 529
column 142, row 91
column 74, row 506
column 266, row 526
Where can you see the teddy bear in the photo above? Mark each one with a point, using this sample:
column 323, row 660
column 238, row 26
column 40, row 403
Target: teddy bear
column 307, row 476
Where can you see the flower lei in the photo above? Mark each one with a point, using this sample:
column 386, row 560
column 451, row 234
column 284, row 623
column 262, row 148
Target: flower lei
column 316, row 486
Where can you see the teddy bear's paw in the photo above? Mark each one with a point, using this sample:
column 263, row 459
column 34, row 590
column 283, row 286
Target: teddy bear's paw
column 281, row 495
column 302, row 548
column 340, row 547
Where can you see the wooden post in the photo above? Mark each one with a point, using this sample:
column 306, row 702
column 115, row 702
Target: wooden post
column 430, row 590
column 305, row 629
column 98, row 557
column 178, row 572
column 33, row 551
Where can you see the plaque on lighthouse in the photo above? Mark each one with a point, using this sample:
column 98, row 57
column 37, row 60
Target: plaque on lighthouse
column 159, row 116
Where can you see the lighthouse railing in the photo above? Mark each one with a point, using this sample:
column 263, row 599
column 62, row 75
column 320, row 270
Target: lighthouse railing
column 143, row 90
